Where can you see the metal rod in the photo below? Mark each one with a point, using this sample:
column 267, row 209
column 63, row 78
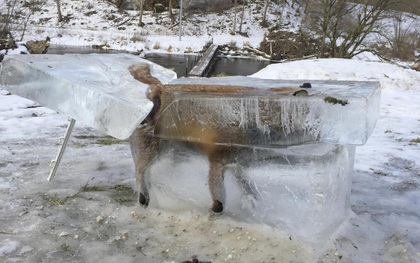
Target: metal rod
column 56, row 162
column 180, row 21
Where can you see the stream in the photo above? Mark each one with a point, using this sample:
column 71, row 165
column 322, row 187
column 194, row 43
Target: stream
column 180, row 63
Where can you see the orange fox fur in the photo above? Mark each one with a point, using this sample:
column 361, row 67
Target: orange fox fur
column 145, row 147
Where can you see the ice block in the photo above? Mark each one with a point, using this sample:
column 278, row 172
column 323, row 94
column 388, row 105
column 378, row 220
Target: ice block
column 296, row 154
column 303, row 190
column 95, row 89
column 334, row 112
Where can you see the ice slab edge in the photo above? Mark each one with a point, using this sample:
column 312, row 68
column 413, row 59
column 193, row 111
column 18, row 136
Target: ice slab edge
column 95, row 89
column 275, row 120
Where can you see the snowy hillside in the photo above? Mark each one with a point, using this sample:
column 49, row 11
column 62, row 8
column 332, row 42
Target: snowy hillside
column 102, row 24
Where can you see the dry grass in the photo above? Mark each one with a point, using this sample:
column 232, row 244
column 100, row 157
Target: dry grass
column 156, row 45
column 137, row 38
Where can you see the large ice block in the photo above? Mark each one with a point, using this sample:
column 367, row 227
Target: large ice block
column 334, row 112
column 95, row 89
column 303, row 190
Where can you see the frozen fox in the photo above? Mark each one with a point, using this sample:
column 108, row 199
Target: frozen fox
column 145, row 146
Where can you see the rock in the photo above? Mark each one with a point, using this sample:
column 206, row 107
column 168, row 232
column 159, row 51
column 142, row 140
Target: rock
column 23, row 213
column 134, row 215
column 100, row 219
column 416, row 66
column 63, row 234
column 38, row 46
column 159, row 8
column 124, row 235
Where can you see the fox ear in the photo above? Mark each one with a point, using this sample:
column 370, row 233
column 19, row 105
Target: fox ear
column 301, row 92
column 142, row 74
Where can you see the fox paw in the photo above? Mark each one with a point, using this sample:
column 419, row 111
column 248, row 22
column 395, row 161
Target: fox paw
column 217, row 207
column 144, row 201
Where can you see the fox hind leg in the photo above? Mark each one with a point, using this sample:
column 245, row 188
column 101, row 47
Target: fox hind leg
column 143, row 193
column 245, row 184
column 141, row 165
column 250, row 192
column 218, row 160
column 144, row 149
column 216, row 185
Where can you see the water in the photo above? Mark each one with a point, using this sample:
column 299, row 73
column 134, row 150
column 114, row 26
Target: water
column 238, row 66
column 56, row 49
column 180, row 63
column 225, row 66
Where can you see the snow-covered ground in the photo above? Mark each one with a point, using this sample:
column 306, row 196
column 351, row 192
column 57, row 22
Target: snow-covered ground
column 88, row 213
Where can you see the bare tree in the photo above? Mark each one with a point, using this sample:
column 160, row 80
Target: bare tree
column 6, row 37
column 305, row 4
column 140, row 6
column 16, row 19
column 59, row 16
column 233, row 32
column 405, row 36
column 141, row 12
column 242, row 16
column 343, row 26
column 170, row 13
column 264, row 22
column 9, row 7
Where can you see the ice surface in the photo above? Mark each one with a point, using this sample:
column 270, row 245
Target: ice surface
column 265, row 119
column 303, row 190
column 95, row 89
